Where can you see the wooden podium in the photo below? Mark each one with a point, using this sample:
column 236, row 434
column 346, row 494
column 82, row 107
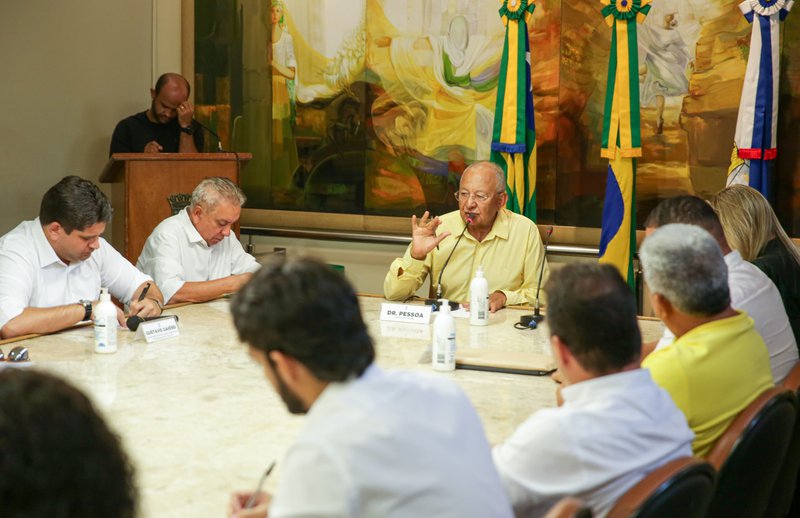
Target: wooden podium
column 142, row 183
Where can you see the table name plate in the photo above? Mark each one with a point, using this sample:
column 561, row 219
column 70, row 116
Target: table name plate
column 405, row 313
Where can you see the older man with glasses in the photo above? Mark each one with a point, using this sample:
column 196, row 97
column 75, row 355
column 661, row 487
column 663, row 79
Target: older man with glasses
column 482, row 232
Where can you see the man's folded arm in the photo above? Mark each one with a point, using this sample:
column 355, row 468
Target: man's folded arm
column 405, row 276
column 241, row 261
column 201, row 291
column 43, row 320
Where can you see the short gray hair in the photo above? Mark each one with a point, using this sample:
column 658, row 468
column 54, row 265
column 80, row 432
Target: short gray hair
column 211, row 191
column 684, row 263
column 499, row 174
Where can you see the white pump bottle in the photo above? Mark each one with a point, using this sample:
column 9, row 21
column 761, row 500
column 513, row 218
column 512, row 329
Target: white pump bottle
column 444, row 339
column 479, row 299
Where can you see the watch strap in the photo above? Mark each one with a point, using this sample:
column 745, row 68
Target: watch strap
column 87, row 309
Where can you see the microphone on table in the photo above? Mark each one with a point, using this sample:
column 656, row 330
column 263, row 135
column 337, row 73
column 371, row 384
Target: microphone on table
column 537, row 317
column 435, row 302
column 134, row 321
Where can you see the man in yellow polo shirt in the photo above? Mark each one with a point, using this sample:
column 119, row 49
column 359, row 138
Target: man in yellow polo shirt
column 480, row 233
column 718, row 362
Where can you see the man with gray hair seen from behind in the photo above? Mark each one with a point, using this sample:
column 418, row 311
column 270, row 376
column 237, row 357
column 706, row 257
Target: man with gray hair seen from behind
column 375, row 443
column 193, row 256
column 718, row 362
column 750, row 289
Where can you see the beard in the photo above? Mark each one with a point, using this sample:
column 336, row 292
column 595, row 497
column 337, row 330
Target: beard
column 293, row 403
column 156, row 115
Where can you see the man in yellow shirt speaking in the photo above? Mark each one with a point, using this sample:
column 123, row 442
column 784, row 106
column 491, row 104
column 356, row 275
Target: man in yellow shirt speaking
column 482, row 232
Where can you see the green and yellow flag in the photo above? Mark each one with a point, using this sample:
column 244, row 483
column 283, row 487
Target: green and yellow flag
column 514, row 137
column 621, row 141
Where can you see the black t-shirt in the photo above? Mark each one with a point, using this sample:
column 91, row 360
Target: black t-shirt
column 781, row 267
column 133, row 133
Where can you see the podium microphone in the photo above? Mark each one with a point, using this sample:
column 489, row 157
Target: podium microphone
column 212, row 132
column 531, row 321
column 134, row 321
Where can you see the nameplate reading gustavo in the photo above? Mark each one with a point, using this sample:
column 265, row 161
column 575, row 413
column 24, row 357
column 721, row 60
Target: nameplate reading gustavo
column 159, row 329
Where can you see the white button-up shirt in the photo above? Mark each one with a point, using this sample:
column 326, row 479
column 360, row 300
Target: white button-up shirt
column 610, row 432
column 32, row 275
column 755, row 294
column 390, row 444
column 176, row 253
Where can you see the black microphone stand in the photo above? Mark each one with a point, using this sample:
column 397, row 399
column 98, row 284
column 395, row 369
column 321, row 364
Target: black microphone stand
column 212, row 132
column 435, row 302
column 219, row 146
column 537, row 317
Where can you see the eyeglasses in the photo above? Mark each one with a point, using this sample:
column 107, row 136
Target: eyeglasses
column 17, row 354
column 480, row 197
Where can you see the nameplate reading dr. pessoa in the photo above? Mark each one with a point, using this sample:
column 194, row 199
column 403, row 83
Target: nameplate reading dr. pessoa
column 406, row 313
column 160, row 329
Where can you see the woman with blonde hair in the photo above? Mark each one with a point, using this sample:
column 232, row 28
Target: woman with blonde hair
column 752, row 228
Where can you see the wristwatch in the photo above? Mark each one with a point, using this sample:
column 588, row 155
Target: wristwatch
column 87, row 309
column 189, row 130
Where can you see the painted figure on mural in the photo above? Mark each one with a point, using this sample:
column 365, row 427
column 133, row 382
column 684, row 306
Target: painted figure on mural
column 448, row 83
column 284, row 76
column 665, row 61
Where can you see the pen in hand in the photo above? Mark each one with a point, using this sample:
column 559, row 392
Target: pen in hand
column 144, row 292
column 252, row 500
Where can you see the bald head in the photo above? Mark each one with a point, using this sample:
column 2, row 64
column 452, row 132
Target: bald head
column 172, row 80
column 489, row 173
column 481, row 195
column 170, row 91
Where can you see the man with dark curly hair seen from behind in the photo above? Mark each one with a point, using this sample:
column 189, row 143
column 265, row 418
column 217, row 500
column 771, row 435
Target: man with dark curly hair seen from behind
column 58, row 457
column 376, row 443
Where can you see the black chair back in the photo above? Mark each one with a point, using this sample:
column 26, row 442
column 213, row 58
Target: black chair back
column 784, row 501
column 747, row 454
column 682, row 487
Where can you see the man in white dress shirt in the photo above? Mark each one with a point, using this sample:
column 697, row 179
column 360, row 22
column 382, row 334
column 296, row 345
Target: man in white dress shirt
column 751, row 290
column 376, row 444
column 194, row 256
column 52, row 268
column 615, row 425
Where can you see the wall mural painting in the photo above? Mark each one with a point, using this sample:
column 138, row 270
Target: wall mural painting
column 376, row 106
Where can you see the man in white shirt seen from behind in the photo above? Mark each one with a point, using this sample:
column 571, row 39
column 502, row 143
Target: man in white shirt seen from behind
column 751, row 290
column 194, row 256
column 375, row 444
column 615, row 425
column 52, row 267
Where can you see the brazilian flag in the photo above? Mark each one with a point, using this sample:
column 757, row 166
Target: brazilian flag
column 514, row 136
column 621, row 141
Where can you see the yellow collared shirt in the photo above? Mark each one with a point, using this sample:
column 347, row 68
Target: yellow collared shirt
column 511, row 256
column 712, row 373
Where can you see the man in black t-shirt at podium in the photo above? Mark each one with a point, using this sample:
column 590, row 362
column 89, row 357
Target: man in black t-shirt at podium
column 166, row 127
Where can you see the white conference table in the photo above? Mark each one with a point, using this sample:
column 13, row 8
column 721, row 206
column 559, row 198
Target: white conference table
column 199, row 419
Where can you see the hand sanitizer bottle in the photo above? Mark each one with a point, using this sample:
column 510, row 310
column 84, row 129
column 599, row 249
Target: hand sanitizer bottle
column 444, row 339
column 105, row 324
column 479, row 299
